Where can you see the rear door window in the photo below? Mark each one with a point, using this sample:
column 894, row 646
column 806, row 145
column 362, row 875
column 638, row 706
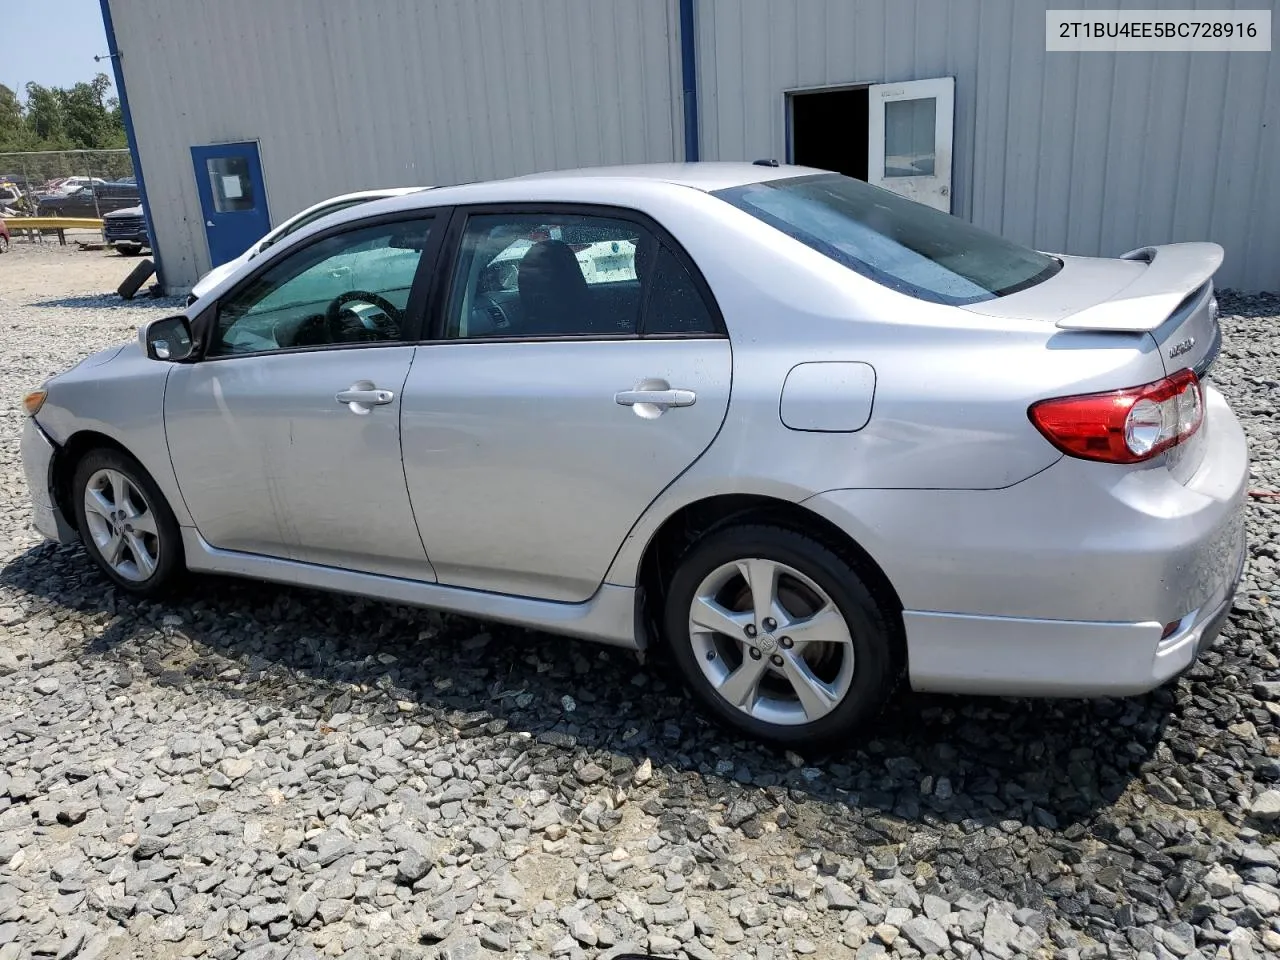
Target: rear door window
column 546, row 275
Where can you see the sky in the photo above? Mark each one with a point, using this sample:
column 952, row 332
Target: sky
column 61, row 62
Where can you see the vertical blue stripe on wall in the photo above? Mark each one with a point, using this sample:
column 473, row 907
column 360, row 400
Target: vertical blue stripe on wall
column 689, row 73
column 114, row 50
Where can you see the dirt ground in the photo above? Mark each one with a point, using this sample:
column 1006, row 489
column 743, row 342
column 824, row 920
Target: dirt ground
column 37, row 267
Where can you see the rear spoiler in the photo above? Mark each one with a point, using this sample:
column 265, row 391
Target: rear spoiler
column 1174, row 270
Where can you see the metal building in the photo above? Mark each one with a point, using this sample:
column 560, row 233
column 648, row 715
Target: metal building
column 242, row 112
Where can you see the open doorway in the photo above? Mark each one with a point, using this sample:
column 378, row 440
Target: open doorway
column 829, row 130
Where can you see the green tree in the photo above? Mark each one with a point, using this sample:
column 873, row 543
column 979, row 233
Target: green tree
column 12, row 128
column 86, row 118
column 44, row 114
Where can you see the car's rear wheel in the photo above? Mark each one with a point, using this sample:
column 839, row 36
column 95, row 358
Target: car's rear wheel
column 128, row 249
column 779, row 636
column 125, row 523
column 4, row 243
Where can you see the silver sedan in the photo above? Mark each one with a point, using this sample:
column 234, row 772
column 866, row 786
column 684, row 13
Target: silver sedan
column 806, row 437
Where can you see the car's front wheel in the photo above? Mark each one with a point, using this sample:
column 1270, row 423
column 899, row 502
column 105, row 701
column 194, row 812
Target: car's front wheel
column 779, row 635
column 128, row 249
column 125, row 523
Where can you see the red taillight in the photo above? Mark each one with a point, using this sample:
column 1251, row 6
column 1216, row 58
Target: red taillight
column 1123, row 426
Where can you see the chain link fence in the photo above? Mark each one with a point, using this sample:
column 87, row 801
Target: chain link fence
column 79, row 184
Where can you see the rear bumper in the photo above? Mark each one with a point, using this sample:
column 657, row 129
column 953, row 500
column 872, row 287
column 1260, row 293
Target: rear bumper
column 37, row 463
column 1062, row 585
column 954, row 653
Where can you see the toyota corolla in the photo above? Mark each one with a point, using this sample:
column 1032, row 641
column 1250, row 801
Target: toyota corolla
column 806, row 435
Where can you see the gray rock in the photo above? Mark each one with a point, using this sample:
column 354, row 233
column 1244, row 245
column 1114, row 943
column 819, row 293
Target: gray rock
column 663, row 946
column 332, row 846
column 926, row 935
column 839, row 896
column 8, row 662
column 584, row 932
column 267, row 913
column 998, row 933
column 1220, row 882
column 1264, row 901
column 46, row 686
column 172, row 929
column 235, row 768
column 333, row 909
column 306, row 906
column 149, row 845
column 484, row 839
column 468, row 948
column 493, row 940
column 409, row 735
column 935, row 908
column 1266, row 807
column 1267, row 690
column 413, row 867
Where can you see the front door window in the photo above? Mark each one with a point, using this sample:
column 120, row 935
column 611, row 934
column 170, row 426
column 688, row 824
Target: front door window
column 349, row 288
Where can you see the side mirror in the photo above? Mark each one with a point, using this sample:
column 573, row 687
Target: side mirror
column 168, row 339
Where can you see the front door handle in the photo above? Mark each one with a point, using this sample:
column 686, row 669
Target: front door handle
column 659, row 398
column 363, row 396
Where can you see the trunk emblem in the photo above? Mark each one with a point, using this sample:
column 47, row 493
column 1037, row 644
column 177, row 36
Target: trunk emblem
column 1181, row 347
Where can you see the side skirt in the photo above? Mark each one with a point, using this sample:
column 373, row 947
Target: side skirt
column 608, row 617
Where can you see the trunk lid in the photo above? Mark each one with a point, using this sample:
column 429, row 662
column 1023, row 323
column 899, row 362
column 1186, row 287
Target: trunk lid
column 1166, row 291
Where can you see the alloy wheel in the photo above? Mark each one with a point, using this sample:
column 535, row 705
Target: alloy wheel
column 122, row 525
column 771, row 642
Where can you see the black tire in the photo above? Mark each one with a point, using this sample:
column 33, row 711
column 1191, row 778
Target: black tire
column 876, row 664
column 170, row 563
column 137, row 277
column 128, row 250
column 4, row 244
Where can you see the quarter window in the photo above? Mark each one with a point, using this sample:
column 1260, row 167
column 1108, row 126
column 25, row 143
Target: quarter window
column 674, row 305
column 345, row 289
column 546, row 275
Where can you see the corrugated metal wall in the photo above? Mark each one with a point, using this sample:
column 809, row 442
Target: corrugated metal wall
column 1081, row 153
column 347, row 95
column 1085, row 153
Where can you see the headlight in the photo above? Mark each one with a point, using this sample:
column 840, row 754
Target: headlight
column 33, row 401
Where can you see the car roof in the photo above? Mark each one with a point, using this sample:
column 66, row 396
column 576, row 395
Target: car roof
column 704, row 175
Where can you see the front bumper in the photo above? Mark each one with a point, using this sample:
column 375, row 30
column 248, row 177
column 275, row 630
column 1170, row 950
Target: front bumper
column 1062, row 585
column 38, row 452
column 127, row 236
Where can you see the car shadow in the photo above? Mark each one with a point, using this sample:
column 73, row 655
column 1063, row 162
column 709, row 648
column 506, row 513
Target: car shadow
column 98, row 301
column 976, row 762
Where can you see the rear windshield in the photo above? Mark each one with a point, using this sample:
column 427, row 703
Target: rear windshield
column 907, row 246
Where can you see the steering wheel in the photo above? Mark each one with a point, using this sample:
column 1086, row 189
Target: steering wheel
column 333, row 312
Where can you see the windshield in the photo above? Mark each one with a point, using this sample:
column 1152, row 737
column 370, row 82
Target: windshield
column 907, row 246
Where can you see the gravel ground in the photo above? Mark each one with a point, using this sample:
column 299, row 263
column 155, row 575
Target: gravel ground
column 266, row 772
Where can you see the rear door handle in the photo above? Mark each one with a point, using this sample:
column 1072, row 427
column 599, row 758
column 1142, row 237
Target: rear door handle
column 657, row 398
column 363, row 396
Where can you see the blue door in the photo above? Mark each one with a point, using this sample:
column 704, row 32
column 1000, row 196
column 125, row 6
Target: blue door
column 232, row 198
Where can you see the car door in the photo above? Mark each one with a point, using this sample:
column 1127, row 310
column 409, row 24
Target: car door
column 562, row 393
column 285, row 436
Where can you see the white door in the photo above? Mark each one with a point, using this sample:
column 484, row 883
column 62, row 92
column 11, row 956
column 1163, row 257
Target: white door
column 909, row 137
